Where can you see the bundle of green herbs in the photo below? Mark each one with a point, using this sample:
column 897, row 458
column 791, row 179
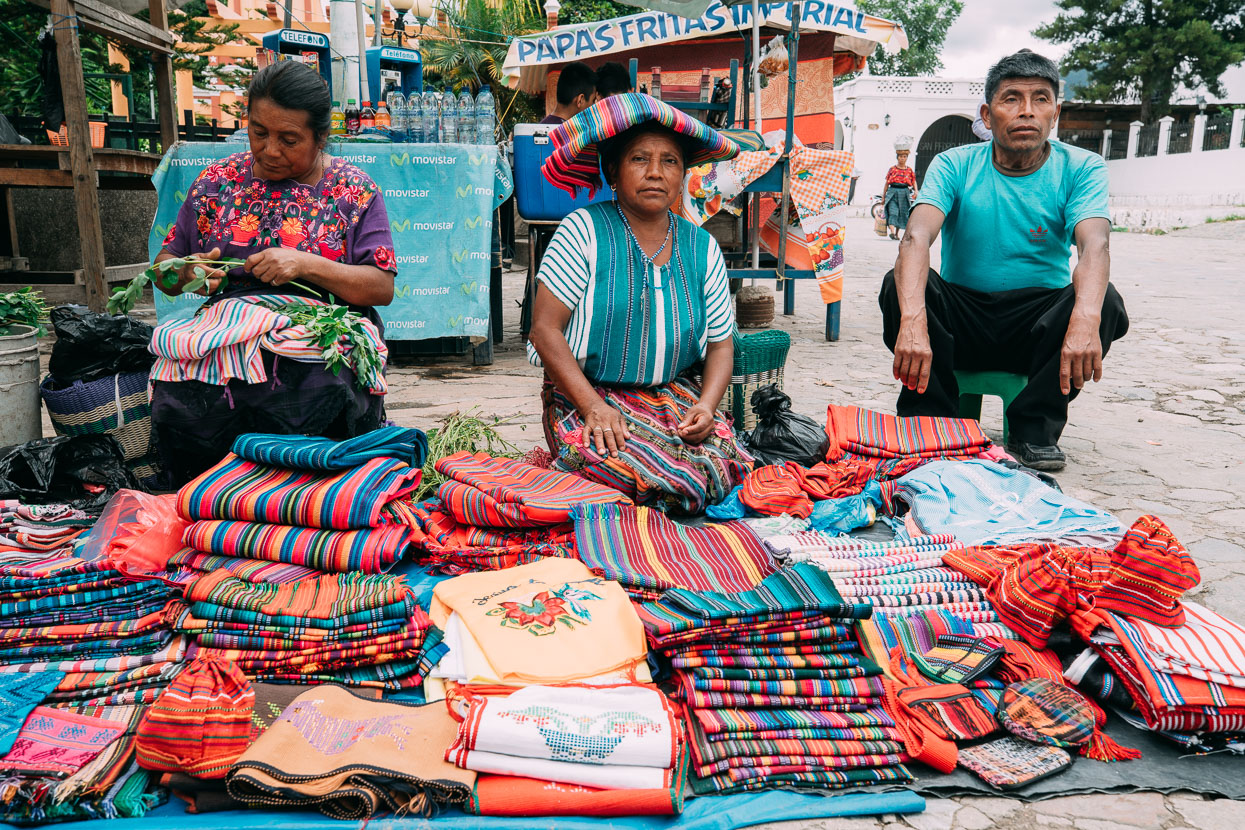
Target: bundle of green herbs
column 329, row 326
column 462, row 432
column 165, row 274
column 23, row 308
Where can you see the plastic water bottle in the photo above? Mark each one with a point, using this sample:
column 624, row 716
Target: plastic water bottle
column 449, row 118
column 486, row 117
column 413, row 123
column 466, row 118
column 396, row 102
column 431, row 126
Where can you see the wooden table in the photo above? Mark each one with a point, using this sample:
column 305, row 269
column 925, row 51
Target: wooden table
column 28, row 165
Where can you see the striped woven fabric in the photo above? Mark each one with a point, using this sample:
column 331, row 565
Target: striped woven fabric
column 341, row 551
column 776, row 489
column 326, row 598
column 194, row 564
column 749, row 780
column 306, row 452
column 770, row 664
column 236, row 488
column 799, row 588
column 771, row 765
column 751, row 700
column 306, row 636
column 765, row 740
column 876, row 435
column 575, row 160
column 821, row 687
column 501, row 492
column 640, row 547
column 202, row 722
column 1035, row 587
column 746, row 721
column 223, row 342
column 455, row 548
column 656, row 468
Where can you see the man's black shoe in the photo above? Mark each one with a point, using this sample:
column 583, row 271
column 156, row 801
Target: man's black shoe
column 1048, row 459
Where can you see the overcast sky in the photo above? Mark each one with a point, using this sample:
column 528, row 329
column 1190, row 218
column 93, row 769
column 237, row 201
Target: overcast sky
column 988, row 29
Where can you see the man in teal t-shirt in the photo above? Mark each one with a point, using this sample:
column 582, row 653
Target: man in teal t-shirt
column 1009, row 211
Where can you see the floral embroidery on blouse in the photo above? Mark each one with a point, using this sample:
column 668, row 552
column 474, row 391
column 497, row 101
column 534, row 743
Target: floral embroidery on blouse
column 340, row 218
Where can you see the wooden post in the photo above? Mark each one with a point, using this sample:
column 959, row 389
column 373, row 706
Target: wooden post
column 81, row 159
column 164, row 80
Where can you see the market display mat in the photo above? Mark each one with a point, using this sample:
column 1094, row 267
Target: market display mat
column 710, row 813
column 1163, row 767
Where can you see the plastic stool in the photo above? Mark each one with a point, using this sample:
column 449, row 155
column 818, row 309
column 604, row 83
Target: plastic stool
column 973, row 385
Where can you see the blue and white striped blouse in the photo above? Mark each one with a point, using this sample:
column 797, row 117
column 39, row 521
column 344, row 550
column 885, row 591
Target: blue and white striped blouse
column 627, row 329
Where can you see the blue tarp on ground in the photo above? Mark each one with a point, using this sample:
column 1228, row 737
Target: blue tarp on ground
column 709, row 813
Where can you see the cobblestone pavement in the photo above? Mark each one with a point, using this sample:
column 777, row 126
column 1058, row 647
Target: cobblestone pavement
column 1164, row 432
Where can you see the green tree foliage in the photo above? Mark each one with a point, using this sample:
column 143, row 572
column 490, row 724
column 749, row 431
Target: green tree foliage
column 926, row 22
column 590, row 11
column 1147, row 48
column 470, row 50
column 21, row 87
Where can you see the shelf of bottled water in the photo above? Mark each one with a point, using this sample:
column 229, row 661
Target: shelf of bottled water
column 442, row 117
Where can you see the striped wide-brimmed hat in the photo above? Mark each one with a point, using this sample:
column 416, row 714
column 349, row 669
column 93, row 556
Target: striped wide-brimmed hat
column 575, row 162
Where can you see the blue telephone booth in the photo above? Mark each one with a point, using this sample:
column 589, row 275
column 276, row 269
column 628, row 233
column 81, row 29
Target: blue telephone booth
column 299, row 44
column 393, row 67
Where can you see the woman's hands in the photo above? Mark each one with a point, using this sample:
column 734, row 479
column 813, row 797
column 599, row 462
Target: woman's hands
column 277, row 266
column 212, row 279
column 605, row 427
column 697, row 424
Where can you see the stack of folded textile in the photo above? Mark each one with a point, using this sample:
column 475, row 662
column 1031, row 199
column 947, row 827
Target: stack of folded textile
column 1185, row 679
column 105, row 631
column 776, row 690
column 552, row 621
column 75, row 762
column 890, row 446
column 899, row 576
column 494, row 513
column 355, row 629
column 620, row 748
column 41, row 527
column 649, row 554
column 326, row 505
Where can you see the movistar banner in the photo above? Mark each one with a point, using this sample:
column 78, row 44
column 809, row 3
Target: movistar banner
column 440, row 199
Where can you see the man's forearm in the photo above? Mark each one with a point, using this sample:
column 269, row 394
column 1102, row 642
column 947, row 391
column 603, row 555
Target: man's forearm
column 1089, row 280
column 911, row 274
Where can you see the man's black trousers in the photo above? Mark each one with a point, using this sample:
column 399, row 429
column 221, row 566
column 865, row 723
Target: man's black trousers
column 1018, row 331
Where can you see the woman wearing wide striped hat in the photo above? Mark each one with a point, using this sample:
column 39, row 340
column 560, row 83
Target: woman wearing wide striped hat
column 633, row 302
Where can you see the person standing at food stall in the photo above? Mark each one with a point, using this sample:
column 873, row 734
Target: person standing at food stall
column 305, row 224
column 632, row 304
column 577, row 90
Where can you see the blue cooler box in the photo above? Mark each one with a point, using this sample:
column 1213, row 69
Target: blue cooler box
column 537, row 200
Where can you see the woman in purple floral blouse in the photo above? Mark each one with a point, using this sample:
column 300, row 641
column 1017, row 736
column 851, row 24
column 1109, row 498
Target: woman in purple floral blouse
column 292, row 213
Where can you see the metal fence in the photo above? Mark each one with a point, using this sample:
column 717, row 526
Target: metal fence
column 1181, row 138
column 1119, row 145
column 1218, row 131
column 124, row 133
column 1148, row 141
column 1085, row 139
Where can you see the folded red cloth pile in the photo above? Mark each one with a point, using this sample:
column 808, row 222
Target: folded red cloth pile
column 494, row 513
column 791, row 489
column 1035, row 587
column 894, row 446
column 777, row 672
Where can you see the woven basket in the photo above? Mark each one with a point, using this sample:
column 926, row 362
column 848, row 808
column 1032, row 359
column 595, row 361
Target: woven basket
column 116, row 405
column 759, row 360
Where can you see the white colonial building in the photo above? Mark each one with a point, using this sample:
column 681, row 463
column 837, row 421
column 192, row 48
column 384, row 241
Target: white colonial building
column 872, row 111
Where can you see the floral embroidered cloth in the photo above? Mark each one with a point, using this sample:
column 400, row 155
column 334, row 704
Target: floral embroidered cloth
column 342, row 217
column 56, row 743
column 549, row 622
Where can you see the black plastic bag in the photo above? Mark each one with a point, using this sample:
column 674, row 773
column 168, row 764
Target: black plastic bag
column 80, row 470
column 782, row 435
column 91, row 346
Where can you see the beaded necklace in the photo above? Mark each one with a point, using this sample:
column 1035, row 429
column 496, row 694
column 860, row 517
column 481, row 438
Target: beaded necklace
column 653, row 271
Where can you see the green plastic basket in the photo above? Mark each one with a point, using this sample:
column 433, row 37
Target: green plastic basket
column 760, row 357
